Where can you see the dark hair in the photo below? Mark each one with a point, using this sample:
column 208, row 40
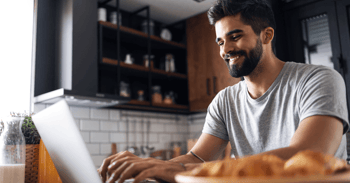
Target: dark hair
column 256, row 13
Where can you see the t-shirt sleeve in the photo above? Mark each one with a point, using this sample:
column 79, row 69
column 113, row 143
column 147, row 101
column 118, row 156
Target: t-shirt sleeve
column 323, row 93
column 214, row 121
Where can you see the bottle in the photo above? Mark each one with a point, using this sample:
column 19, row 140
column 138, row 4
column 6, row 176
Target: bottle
column 113, row 18
column 12, row 151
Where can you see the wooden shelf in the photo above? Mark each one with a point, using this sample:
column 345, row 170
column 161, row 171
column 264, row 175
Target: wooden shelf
column 142, row 34
column 142, row 68
column 137, row 102
column 169, row 74
column 174, row 106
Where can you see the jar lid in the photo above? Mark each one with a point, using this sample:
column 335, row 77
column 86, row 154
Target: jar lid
column 146, row 56
column 157, row 87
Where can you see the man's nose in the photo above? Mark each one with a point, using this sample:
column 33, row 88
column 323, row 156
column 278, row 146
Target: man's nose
column 226, row 50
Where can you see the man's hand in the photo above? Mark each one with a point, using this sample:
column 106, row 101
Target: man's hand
column 126, row 165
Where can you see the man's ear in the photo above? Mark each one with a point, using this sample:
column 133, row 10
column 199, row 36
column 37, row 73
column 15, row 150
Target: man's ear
column 268, row 34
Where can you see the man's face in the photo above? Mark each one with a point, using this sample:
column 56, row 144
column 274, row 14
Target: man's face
column 240, row 47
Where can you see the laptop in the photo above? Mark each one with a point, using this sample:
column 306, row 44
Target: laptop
column 65, row 144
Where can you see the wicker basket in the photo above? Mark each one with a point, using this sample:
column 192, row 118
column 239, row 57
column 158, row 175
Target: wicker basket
column 32, row 163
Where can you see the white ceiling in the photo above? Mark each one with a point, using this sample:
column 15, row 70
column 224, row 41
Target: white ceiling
column 166, row 11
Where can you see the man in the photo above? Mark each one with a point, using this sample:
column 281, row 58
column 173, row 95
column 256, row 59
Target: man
column 280, row 108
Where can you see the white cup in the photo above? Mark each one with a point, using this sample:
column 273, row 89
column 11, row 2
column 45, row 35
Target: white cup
column 102, row 14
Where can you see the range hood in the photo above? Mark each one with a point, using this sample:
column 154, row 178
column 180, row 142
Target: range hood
column 81, row 99
column 66, row 56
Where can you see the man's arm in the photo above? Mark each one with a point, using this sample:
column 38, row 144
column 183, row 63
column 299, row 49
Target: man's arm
column 208, row 147
column 125, row 165
column 317, row 133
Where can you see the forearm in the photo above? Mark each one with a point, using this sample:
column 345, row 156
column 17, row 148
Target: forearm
column 188, row 160
column 284, row 153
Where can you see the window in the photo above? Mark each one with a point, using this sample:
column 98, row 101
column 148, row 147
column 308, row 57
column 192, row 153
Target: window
column 16, row 35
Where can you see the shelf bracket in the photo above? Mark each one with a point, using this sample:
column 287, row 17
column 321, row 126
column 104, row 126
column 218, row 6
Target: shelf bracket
column 138, row 11
column 100, row 4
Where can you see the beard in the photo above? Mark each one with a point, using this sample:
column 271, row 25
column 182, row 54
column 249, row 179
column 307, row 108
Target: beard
column 249, row 63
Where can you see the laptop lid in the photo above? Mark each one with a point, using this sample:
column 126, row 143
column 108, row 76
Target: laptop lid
column 65, row 145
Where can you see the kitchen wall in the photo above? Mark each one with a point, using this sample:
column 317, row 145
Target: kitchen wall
column 101, row 127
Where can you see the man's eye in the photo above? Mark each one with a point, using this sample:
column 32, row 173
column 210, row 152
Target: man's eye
column 236, row 37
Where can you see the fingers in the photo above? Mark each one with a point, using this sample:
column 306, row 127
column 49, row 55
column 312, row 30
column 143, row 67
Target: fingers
column 149, row 173
column 106, row 162
column 128, row 170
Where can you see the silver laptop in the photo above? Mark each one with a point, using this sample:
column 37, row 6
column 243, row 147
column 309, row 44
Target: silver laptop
column 65, row 145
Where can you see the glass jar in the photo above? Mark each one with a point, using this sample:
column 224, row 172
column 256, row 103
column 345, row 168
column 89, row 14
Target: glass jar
column 12, row 151
column 157, row 94
column 124, row 89
column 146, row 61
column 113, row 18
column 169, row 63
column 141, row 95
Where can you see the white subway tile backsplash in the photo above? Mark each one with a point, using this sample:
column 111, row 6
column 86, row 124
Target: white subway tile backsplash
column 198, row 121
column 100, row 127
column 196, row 128
column 121, row 147
column 134, row 118
column 99, row 137
column 106, row 149
column 171, row 128
column 156, row 127
column 135, row 113
column 183, row 128
column 158, row 146
column 91, row 125
column 150, row 114
column 93, row 148
column 166, row 120
column 80, row 112
column 123, row 126
column 39, row 107
column 151, row 120
column 182, row 118
column 99, row 113
column 199, row 115
column 153, row 137
column 141, row 127
column 164, row 138
column 118, row 137
column 109, row 126
column 114, row 114
column 77, row 121
column 138, row 137
column 98, row 159
column 178, row 137
column 86, row 136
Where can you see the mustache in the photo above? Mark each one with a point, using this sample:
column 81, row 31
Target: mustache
column 233, row 54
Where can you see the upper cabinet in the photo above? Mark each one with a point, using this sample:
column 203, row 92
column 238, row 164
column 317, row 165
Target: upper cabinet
column 207, row 71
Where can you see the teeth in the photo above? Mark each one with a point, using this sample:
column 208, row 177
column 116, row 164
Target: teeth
column 233, row 59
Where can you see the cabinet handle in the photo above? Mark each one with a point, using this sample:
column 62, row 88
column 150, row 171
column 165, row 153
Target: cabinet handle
column 208, row 87
column 214, row 84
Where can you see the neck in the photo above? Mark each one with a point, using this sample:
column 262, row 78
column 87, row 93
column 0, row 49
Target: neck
column 262, row 77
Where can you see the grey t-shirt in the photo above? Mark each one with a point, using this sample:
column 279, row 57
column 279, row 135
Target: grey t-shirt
column 257, row 125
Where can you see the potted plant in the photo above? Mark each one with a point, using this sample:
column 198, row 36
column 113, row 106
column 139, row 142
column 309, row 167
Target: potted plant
column 32, row 139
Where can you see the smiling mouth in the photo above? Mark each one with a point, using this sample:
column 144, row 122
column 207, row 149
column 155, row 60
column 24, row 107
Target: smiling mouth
column 234, row 59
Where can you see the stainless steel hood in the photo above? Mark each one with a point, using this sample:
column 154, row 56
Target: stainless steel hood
column 81, row 99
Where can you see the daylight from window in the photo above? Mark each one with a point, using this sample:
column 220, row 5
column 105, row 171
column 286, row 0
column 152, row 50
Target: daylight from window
column 15, row 55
